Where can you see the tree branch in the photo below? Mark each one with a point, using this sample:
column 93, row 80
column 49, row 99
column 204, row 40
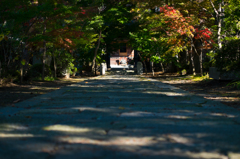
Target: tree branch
column 215, row 10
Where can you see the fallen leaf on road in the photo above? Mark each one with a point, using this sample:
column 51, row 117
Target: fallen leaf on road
column 16, row 101
column 121, row 108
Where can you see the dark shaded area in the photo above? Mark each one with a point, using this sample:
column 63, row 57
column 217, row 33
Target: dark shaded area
column 14, row 92
column 220, row 90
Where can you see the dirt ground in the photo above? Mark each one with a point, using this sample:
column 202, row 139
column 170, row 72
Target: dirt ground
column 209, row 89
column 14, row 92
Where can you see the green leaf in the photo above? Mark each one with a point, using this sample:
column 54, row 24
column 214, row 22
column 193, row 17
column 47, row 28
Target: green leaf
column 16, row 58
column 23, row 62
column 1, row 37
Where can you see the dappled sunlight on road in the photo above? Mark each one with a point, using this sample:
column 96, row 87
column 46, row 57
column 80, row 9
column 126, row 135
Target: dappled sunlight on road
column 8, row 135
column 114, row 141
column 71, row 129
column 132, row 117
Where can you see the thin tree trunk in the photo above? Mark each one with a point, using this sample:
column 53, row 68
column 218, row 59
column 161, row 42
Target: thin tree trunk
column 95, row 53
column 9, row 51
column 55, row 66
column 163, row 70
column 4, row 52
column 21, row 73
column 201, row 63
column 44, row 54
column 21, row 66
column 95, row 69
column 187, row 56
column 0, row 69
column 192, row 61
column 144, row 63
column 219, row 32
column 219, row 20
column 152, row 64
column 145, row 66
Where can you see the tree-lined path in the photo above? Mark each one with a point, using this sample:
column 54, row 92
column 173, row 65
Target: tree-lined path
column 119, row 116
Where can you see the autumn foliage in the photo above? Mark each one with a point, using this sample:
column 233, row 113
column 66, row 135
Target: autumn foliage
column 178, row 28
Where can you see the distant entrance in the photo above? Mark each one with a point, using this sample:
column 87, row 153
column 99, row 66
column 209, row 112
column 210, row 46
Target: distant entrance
column 123, row 57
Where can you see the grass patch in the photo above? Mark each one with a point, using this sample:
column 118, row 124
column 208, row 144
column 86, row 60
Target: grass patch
column 48, row 78
column 197, row 78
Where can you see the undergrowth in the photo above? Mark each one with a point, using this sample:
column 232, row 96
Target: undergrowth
column 235, row 84
column 197, row 78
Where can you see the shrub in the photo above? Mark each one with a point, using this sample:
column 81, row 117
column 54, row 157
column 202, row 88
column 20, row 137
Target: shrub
column 235, row 84
column 228, row 58
column 36, row 71
column 49, row 78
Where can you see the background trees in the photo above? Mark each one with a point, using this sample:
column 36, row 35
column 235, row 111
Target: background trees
column 78, row 34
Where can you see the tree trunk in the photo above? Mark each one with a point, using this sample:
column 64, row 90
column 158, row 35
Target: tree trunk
column 5, row 56
column 192, row 61
column 200, row 62
column 144, row 63
column 219, row 15
column 21, row 66
column 219, row 32
column 145, row 66
column 95, row 69
column 163, row 70
column 152, row 64
column 187, row 56
column 95, row 53
column 44, row 54
column 0, row 69
column 55, row 65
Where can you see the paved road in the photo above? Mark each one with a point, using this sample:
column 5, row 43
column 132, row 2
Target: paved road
column 119, row 117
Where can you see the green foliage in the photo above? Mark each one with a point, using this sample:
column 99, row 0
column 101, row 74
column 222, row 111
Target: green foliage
column 228, row 58
column 209, row 60
column 71, row 31
column 198, row 77
column 35, row 71
column 235, row 84
column 156, row 59
column 49, row 78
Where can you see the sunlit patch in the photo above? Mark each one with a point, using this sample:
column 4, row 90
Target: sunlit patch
column 150, row 114
column 168, row 93
column 205, row 155
column 73, row 129
column 137, row 114
column 81, row 109
column 223, row 114
column 42, row 88
column 5, row 135
column 12, row 127
column 175, row 138
column 178, row 117
column 118, row 141
column 66, row 128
